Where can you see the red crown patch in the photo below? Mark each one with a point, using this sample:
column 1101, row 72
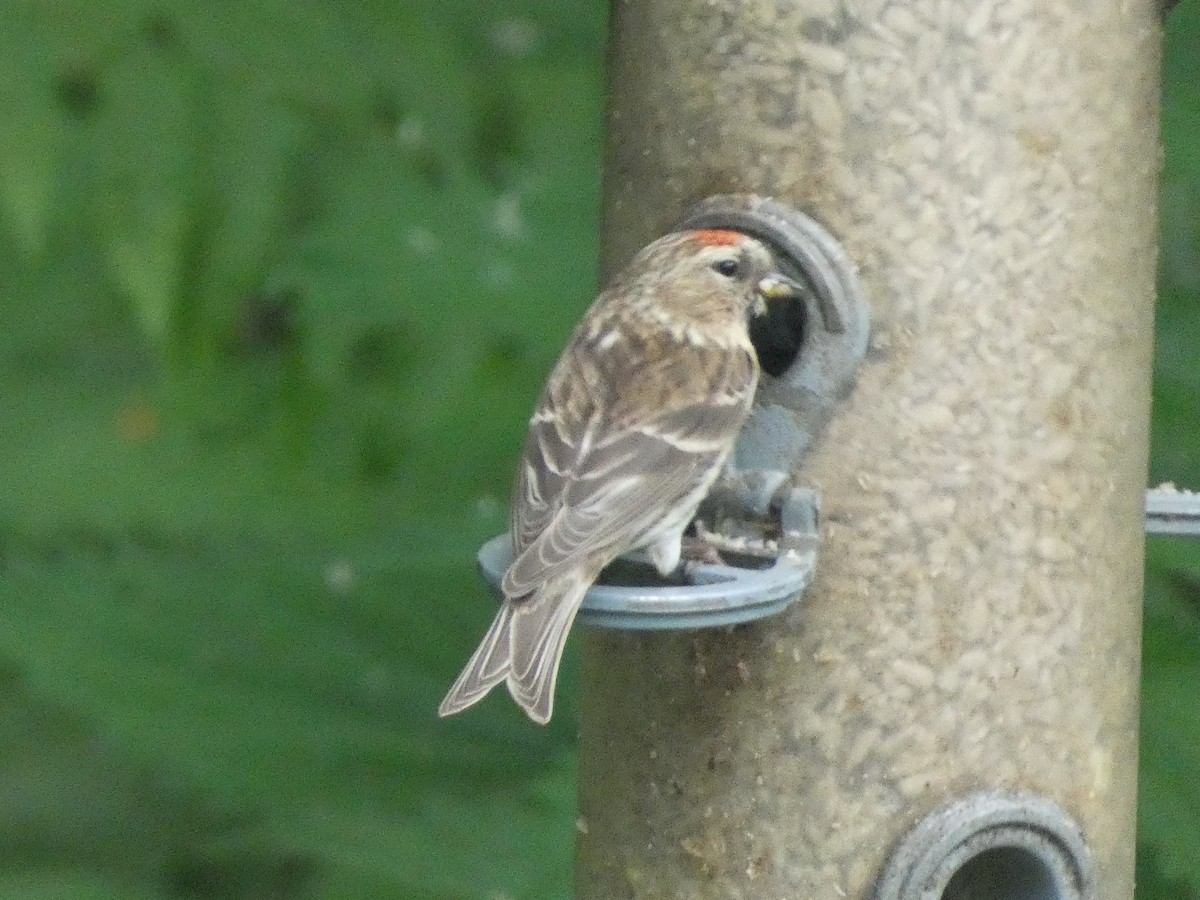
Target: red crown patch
column 717, row 237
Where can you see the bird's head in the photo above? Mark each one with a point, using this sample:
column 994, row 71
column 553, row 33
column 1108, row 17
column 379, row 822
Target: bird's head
column 712, row 281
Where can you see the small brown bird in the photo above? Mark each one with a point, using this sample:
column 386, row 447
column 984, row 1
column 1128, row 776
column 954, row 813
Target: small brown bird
column 633, row 426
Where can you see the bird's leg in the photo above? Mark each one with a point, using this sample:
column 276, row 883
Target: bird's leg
column 665, row 552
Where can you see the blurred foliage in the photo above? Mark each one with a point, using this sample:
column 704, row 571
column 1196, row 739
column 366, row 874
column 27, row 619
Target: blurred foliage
column 278, row 283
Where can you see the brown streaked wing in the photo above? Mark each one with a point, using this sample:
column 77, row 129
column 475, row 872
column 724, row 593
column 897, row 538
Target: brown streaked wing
column 601, row 382
column 615, row 516
column 558, row 430
column 619, row 489
column 546, row 461
column 628, row 425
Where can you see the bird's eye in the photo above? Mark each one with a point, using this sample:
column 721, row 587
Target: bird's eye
column 727, row 267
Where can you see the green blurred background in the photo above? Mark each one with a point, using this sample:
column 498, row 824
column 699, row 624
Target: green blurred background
column 279, row 282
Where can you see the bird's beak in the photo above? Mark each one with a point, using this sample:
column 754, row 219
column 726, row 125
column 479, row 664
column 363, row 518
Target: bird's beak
column 779, row 287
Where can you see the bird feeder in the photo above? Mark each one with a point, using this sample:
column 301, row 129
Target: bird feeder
column 767, row 525
column 951, row 711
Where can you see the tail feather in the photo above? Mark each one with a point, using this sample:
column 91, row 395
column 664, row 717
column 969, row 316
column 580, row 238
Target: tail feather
column 523, row 647
column 539, row 635
column 487, row 667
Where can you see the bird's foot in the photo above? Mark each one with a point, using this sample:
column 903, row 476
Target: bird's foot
column 698, row 551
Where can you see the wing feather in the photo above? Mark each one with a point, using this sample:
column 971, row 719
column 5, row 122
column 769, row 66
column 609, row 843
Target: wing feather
column 597, row 478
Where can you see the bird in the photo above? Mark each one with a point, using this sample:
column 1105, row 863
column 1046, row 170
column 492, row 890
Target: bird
column 635, row 423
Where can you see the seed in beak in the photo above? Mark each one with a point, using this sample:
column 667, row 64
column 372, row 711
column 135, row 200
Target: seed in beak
column 779, row 287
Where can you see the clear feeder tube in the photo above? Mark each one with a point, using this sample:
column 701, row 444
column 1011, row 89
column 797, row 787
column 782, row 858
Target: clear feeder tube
column 974, row 623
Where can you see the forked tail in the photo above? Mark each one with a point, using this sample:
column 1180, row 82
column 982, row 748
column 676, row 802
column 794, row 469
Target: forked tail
column 524, row 648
